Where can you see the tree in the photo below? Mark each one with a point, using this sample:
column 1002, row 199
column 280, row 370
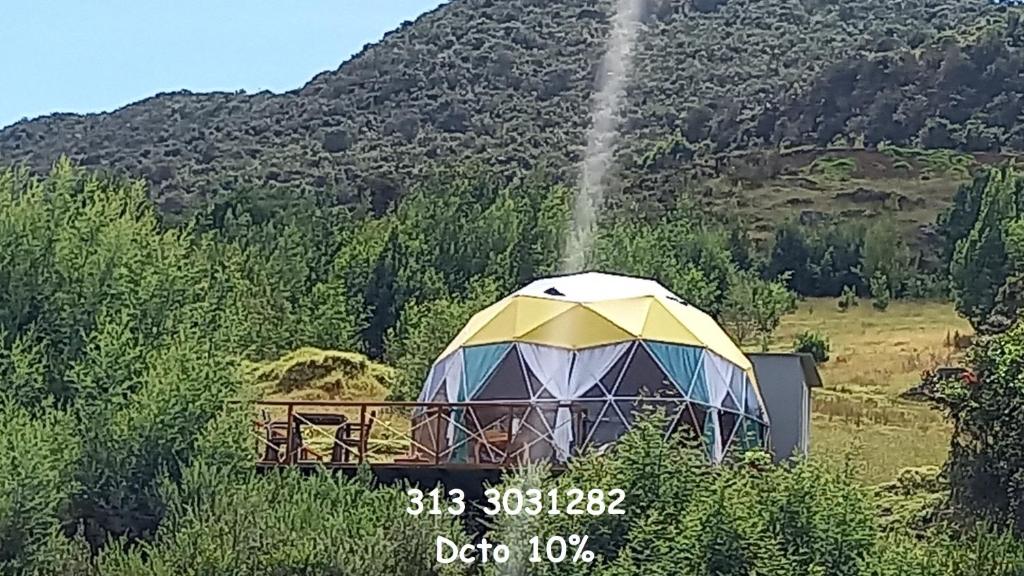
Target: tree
column 755, row 307
column 424, row 329
column 773, row 301
column 980, row 266
column 692, row 262
column 791, row 252
column 886, row 255
column 986, row 462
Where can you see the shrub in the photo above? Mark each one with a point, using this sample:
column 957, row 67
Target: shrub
column 685, row 517
column 986, row 463
column 37, row 459
column 814, row 344
column 880, row 293
column 220, row 522
column 848, row 299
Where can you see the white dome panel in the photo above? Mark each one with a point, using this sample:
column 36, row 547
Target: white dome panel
column 594, row 287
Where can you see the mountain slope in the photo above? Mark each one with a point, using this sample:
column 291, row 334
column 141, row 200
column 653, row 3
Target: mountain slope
column 508, row 82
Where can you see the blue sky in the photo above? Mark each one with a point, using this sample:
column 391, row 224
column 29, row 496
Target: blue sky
column 97, row 55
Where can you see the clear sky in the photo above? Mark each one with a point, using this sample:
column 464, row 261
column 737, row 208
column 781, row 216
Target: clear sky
column 98, row 55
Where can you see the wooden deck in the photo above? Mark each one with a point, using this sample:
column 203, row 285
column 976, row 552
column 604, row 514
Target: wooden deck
column 463, row 435
column 458, row 445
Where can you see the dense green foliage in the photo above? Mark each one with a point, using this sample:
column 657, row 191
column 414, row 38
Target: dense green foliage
column 120, row 349
column 986, row 461
column 985, row 246
column 246, row 524
column 960, row 89
column 825, row 260
column 108, row 323
column 984, row 233
column 813, row 343
column 749, row 517
column 123, row 340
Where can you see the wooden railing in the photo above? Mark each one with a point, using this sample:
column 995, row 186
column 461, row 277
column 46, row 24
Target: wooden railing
column 475, row 434
column 489, row 435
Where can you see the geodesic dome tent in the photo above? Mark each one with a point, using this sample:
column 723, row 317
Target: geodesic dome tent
column 583, row 353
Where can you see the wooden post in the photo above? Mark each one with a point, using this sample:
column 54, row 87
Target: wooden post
column 437, row 437
column 508, row 437
column 362, row 432
column 290, row 437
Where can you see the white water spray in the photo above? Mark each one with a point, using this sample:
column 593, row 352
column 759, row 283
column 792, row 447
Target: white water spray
column 603, row 132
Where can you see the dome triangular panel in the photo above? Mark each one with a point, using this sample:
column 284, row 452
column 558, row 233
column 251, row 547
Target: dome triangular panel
column 577, row 327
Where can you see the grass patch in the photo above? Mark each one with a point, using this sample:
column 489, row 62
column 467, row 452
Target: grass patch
column 329, row 375
column 833, row 168
column 879, row 452
column 314, row 374
column 875, row 357
column 933, row 163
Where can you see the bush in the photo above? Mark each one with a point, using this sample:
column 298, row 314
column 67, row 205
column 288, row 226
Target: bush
column 685, row 517
column 37, row 459
column 880, row 293
column 848, row 299
column 814, row 344
column 986, row 463
column 223, row 523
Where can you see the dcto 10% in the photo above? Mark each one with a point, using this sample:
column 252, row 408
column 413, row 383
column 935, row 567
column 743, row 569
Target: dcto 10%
column 555, row 550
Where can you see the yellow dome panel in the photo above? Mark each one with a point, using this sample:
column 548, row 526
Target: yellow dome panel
column 630, row 314
column 707, row 331
column 478, row 321
column 534, row 312
column 516, row 316
column 578, row 327
column 663, row 325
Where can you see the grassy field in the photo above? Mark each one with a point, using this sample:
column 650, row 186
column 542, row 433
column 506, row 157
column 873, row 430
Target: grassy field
column 876, row 356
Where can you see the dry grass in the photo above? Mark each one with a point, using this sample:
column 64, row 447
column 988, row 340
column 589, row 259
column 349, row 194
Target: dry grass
column 312, row 374
column 876, row 356
column 879, row 451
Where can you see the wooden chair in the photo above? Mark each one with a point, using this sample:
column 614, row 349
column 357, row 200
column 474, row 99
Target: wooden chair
column 277, row 438
column 351, row 437
column 492, row 448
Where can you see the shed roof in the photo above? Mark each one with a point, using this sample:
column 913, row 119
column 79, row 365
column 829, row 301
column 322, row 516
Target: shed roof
column 812, row 378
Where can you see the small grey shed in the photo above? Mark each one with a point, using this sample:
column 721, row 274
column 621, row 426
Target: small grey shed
column 786, row 381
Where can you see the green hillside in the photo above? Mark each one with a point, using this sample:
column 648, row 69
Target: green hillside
column 509, row 82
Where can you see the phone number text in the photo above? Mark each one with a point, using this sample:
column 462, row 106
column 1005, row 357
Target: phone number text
column 515, row 502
